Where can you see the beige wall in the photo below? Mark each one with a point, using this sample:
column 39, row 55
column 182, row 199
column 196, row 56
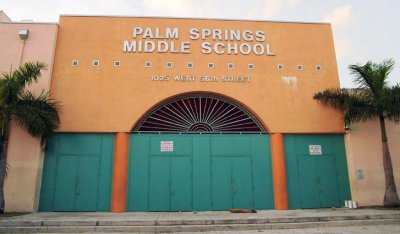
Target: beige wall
column 364, row 152
column 25, row 157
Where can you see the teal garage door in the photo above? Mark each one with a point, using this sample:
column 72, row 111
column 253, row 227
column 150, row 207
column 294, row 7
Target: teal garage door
column 186, row 172
column 77, row 173
column 316, row 168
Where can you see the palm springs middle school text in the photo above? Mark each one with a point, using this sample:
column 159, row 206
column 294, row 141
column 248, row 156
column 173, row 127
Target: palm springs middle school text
column 227, row 41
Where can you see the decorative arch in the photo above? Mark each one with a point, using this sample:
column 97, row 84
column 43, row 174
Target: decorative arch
column 199, row 113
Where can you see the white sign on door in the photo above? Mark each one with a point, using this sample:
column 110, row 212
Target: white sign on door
column 167, row 146
column 315, row 149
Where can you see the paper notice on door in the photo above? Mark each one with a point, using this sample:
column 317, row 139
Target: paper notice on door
column 167, row 146
column 315, row 149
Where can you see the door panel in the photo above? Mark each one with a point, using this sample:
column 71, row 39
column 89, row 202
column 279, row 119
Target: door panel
column 181, row 183
column 262, row 173
column 201, row 174
column 328, row 182
column 87, row 183
column 159, row 182
column 65, row 187
column 47, row 193
column 221, row 183
column 242, row 183
column 138, row 180
column 309, row 182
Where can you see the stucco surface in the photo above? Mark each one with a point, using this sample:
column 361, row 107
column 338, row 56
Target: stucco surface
column 364, row 152
column 113, row 99
column 25, row 157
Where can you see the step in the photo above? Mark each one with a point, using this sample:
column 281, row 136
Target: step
column 150, row 222
column 201, row 220
column 193, row 228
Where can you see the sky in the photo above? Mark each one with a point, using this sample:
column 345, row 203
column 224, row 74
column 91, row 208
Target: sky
column 364, row 30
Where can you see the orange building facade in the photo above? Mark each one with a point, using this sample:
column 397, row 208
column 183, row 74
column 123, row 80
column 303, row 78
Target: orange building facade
column 276, row 96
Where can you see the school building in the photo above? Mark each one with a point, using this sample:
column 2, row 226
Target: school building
column 173, row 114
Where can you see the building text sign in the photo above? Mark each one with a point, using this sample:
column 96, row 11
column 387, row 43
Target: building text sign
column 201, row 78
column 214, row 41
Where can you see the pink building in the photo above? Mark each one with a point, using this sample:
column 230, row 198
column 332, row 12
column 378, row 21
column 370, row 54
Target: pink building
column 21, row 42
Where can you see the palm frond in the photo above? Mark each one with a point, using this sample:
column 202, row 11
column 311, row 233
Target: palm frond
column 359, row 107
column 391, row 103
column 384, row 69
column 9, row 90
column 13, row 83
column 362, row 75
column 355, row 104
column 334, row 97
column 372, row 76
column 28, row 73
column 38, row 115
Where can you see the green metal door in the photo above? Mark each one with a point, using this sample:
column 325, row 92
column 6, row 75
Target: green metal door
column 328, row 182
column 181, row 184
column 309, row 189
column 232, row 183
column 221, row 183
column 77, row 173
column 202, row 172
column 159, row 192
column 316, row 179
column 242, row 184
column 170, row 184
column 88, row 181
column 65, row 186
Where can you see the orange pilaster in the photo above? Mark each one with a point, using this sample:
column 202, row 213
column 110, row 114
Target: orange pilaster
column 279, row 172
column 120, row 172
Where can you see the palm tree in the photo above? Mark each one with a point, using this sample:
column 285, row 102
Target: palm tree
column 37, row 114
column 372, row 99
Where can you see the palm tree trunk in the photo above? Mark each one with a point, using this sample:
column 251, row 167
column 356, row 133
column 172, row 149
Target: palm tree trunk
column 3, row 168
column 391, row 198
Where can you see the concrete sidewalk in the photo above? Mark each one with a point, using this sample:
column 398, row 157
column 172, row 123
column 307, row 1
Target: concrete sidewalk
column 194, row 221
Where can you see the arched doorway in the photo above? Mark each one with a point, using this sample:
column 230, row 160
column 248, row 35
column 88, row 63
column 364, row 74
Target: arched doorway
column 199, row 152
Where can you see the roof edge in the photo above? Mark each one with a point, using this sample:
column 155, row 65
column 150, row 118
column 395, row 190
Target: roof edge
column 194, row 18
column 22, row 22
column 4, row 16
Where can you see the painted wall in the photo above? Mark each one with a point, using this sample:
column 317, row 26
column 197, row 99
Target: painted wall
column 364, row 152
column 25, row 157
column 113, row 99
